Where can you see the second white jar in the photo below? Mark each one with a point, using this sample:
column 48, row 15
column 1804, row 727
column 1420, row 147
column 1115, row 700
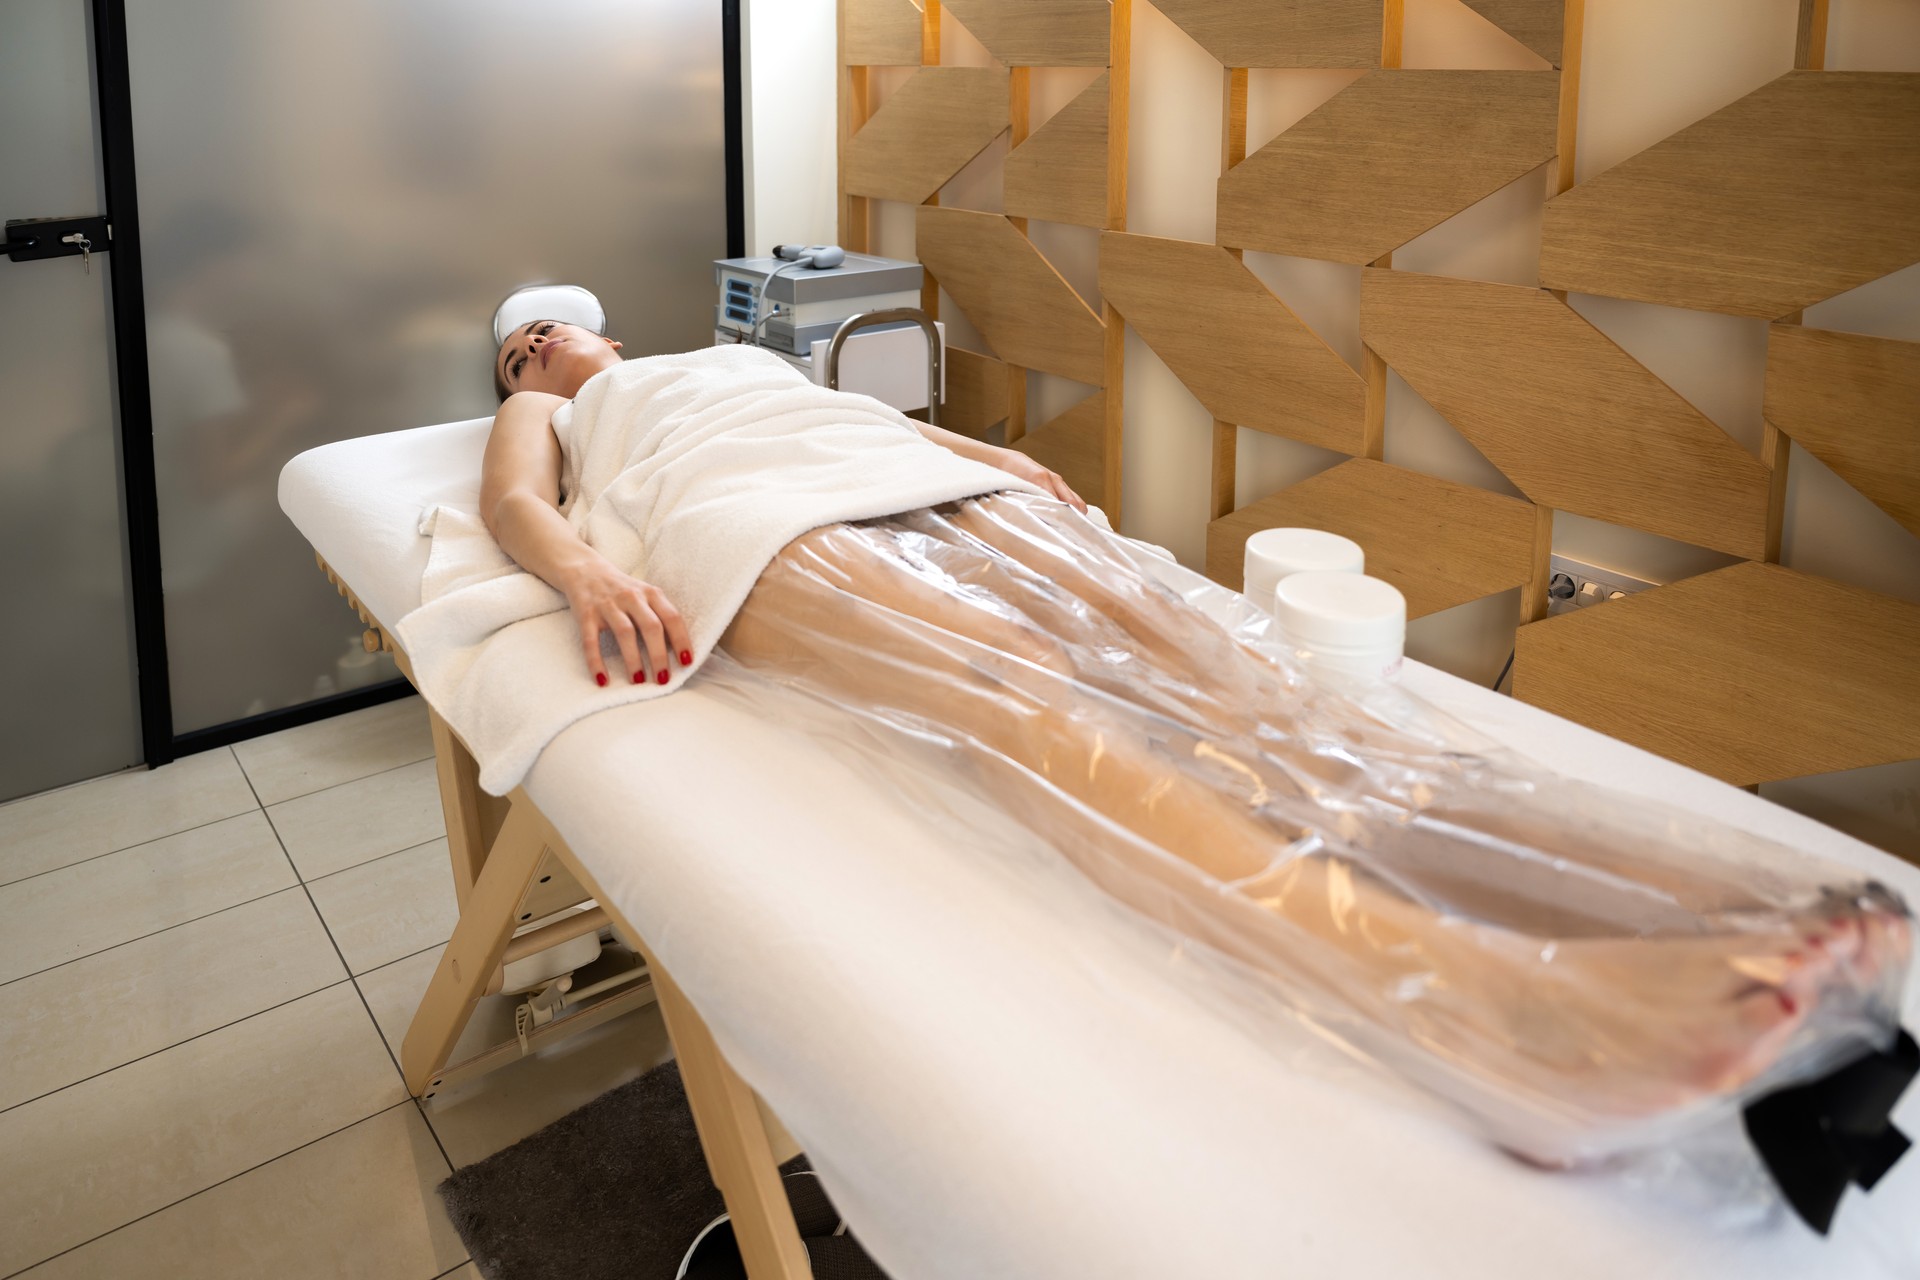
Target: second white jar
column 1343, row 622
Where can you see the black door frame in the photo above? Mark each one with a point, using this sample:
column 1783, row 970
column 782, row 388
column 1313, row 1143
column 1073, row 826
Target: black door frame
column 113, row 86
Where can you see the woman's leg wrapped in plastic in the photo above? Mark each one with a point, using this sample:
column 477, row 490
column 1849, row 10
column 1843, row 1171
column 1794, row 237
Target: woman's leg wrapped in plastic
column 1579, row 975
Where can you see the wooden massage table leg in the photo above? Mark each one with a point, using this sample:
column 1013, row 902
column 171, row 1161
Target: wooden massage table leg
column 488, row 916
column 510, row 866
column 736, row 1132
column 739, row 1150
column 473, row 817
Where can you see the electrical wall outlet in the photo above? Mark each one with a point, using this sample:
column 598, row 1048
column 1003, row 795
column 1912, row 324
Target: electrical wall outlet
column 1574, row 585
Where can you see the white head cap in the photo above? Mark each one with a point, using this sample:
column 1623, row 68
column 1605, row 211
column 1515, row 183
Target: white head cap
column 565, row 302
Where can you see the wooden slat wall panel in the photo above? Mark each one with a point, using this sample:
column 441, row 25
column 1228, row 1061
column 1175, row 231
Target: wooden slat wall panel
column 1810, row 40
column 1119, row 131
column 1014, row 296
column 1805, row 188
column 1038, row 33
column 1119, row 113
column 1440, row 543
column 1283, row 33
column 1021, row 113
column 855, row 102
column 1074, row 444
column 1226, row 435
column 976, row 392
column 936, row 122
column 1538, row 24
column 1234, row 344
column 1060, row 173
column 882, row 33
column 1578, row 424
column 1753, row 673
column 1854, row 403
column 1392, row 155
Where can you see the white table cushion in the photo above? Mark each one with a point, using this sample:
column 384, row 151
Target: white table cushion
column 993, row 1078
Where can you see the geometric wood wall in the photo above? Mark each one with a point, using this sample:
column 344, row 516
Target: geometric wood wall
column 1802, row 189
column 1071, row 170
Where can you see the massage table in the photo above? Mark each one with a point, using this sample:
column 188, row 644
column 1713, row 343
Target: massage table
column 994, row 1076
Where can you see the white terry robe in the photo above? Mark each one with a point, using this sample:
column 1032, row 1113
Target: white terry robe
column 690, row 472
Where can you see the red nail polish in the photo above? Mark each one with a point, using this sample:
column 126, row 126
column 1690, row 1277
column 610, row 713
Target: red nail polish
column 1787, row 1003
column 663, row 677
column 686, row 657
column 601, row 679
column 639, row 678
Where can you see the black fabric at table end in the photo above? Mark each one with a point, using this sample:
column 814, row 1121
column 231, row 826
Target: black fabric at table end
column 1817, row 1138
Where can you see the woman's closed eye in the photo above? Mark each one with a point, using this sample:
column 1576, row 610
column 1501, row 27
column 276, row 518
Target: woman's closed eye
column 543, row 329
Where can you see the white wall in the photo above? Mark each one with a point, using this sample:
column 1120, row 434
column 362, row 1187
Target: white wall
column 1650, row 68
column 791, row 122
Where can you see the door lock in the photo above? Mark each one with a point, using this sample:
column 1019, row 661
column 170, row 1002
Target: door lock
column 86, row 249
column 30, row 239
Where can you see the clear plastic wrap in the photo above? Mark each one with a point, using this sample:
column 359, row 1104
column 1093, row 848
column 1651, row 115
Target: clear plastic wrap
column 1580, row 974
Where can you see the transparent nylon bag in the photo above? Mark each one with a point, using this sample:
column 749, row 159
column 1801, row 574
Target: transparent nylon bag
column 1580, row 974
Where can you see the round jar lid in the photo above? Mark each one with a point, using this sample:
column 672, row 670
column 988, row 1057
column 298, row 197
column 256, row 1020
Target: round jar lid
column 1275, row 554
column 1341, row 612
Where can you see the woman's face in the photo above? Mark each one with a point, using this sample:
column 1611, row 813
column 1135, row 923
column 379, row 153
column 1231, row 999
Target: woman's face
column 547, row 355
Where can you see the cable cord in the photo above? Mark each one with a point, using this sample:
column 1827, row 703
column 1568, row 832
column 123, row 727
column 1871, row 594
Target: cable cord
column 754, row 334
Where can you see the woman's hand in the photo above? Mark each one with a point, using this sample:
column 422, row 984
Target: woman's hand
column 1016, row 463
column 637, row 613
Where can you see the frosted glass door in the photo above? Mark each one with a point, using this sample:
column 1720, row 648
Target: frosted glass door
column 334, row 197
column 67, row 702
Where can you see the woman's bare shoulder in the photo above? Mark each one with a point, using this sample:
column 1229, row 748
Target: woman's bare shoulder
column 525, row 416
column 536, row 406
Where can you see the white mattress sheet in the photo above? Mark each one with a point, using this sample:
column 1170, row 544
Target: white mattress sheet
column 993, row 1079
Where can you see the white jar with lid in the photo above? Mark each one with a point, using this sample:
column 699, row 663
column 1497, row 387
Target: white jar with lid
column 1275, row 554
column 1343, row 622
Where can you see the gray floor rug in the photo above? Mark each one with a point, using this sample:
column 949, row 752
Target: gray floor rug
column 618, row 1189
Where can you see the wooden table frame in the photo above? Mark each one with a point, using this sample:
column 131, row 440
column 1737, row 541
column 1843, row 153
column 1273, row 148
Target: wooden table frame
column 510, row 867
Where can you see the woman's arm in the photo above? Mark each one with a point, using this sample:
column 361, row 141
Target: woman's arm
column 520, row 503
column 1011, row 461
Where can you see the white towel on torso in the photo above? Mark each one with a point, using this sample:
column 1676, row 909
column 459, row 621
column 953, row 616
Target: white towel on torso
column 687, row 471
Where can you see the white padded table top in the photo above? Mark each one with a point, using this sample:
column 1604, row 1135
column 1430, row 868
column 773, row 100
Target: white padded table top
column 994, row 1080
column 359, row 503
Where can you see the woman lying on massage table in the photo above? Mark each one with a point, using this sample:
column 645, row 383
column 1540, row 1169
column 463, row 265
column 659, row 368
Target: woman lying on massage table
column 1571, row 980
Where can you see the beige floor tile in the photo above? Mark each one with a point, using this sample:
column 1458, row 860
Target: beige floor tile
column 313, row 757
column 59, row 828
column 393, row 993
column 360, row 1204
column 391, row 907
column 62, row 915
column 95, row 1014
column 476, row 1118
column 78, row 1163
column 358, row 821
